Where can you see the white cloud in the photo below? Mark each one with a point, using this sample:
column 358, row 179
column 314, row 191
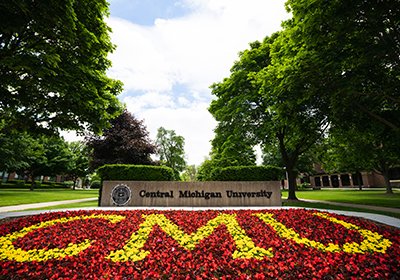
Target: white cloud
column 192, row 122
column 193, row 51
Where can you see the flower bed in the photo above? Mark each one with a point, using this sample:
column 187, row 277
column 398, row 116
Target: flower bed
column 267, row 244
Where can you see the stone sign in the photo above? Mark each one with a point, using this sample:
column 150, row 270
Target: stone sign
column 196, row 194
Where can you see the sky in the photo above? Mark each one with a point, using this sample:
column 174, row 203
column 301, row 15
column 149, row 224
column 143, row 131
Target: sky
column 169, row 53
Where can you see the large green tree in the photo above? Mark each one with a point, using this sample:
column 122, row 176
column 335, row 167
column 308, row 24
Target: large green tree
column 48, row 156
column 53, row 62
column 126, row 141
column 260, row 103
column 171, row 149
column 355, row 47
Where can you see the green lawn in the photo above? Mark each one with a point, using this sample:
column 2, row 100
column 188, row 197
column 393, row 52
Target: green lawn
column 366, row 196
column 70, row 205
column 335, row 207
column 14, row 197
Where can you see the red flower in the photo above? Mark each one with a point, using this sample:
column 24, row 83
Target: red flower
column 287, row 244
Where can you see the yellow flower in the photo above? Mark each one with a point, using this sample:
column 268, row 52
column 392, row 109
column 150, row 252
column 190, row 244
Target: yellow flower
column 373, row 242
column 9, row 252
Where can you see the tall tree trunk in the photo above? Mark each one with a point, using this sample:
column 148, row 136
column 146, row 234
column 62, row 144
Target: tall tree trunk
column 385, row 174
column 384, row 171
column 32, row 183
column 291, row 174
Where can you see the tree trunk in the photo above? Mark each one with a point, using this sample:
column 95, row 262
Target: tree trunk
column 32, row 183
column 385, row 174
column 291, row 177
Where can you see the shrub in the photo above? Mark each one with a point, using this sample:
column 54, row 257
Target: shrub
column 248, row 173
column 303, row 186
column 95, row 184
column 68, row 184
column 18, row 183
column 131, row 172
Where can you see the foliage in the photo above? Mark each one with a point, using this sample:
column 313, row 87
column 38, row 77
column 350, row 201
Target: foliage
column 95, row 185
column 205, row 170
column 171, row 150
column 189, row 174
column 45, row 155
column 125, row 142
column 53, row 63
column 17, row 149
column 376, row 148
column 79, row 165
column 354, row 46
column 260, row 104
column 272, row 156
column 20, row 184
column 248, row 173
column 131, row 172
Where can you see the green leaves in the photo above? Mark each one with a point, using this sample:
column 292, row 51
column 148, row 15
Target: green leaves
column 171, row 150
column 53, row 62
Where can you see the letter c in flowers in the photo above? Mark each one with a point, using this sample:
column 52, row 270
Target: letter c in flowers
column 10, row 253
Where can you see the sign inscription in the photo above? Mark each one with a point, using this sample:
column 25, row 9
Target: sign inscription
column 196, row 194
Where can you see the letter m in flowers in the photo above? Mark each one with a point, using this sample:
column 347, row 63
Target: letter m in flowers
column 132, row 251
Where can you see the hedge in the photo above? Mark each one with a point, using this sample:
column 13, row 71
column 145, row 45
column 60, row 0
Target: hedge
column 129, row 172
column 248, row 173
column 20, row 184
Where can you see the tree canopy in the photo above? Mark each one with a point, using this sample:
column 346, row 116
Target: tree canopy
column 126, row 141
column 259, row 103
column 335, row 65
column 171, row 149
column 79, row 164
column 53, row 62
column 355, row 47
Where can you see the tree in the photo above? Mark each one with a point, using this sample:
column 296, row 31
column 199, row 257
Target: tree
column 260, row 103
column 205, row 170
column 126, row 141
column 271, row 156
column 49, row 156
column 171, row 150
column 372, row 149
column 189, row 174
column 79, row 165
column 53, row 62
column 355, row 45
column 15, row 149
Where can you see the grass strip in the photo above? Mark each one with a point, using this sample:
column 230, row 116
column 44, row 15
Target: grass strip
column 365, row 197
column 10, row 197
column 336, row 207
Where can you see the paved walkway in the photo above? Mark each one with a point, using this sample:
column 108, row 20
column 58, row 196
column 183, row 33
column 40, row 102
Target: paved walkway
column 22, row 207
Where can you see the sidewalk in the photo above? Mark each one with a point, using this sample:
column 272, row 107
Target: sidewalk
column 22, row 207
